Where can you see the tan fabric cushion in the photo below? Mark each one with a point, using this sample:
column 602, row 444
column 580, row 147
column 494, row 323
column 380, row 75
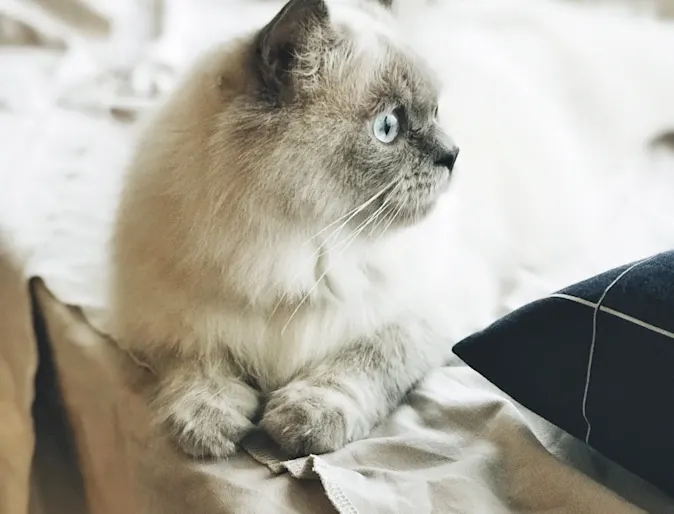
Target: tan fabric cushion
column 18, row 360
column 458, row 447
column 127, row 468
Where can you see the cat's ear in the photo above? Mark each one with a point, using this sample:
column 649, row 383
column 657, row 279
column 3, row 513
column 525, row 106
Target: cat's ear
column 278, row 43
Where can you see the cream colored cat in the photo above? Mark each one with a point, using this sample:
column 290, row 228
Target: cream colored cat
column 281, row 248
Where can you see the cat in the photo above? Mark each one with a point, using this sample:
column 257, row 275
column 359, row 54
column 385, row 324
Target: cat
column 281, row 250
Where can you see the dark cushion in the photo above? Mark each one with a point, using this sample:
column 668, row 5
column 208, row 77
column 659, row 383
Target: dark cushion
column 540, row 356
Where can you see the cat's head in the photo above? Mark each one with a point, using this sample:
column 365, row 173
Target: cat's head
column 333, row 114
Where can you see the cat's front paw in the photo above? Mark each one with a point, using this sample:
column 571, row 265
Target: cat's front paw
column 206, row 425
column 305, row 419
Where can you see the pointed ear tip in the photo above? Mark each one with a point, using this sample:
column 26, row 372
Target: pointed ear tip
column 317, row 5
column 308, row 3
column 307, row 6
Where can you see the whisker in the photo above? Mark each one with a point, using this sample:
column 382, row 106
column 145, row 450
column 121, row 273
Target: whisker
column 359, row 229
column 321, row 249
column 335, row 233
column 387, row 203
column 304, row 299
column 380, row 219
column 349, row 240
column 351, row 213
column 395, row 215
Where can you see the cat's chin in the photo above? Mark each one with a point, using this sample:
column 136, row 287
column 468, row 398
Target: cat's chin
column 408, row 216
column 418, row 204
column 415, row 210
column 415, row 214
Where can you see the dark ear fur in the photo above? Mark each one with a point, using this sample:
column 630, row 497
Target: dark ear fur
column 277, row 44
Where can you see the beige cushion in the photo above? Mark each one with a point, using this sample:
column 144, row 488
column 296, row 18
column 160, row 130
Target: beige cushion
column 458, row 447
column 18, row 360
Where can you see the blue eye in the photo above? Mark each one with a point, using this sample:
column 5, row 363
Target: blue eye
column 386, row 127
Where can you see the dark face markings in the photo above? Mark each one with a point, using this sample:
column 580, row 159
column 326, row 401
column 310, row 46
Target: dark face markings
column 321, row 123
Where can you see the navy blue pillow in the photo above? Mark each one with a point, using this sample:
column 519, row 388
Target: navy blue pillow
column 597, row 360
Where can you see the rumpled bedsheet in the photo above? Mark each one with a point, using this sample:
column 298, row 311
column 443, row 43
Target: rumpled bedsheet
column 457, row 446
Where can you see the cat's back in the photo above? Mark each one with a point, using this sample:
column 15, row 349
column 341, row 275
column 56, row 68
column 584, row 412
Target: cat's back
column 155, row 251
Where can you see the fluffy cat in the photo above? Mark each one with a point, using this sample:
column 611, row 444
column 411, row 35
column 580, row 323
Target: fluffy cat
column 282, row 247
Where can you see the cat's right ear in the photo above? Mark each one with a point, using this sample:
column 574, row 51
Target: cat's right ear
column 278, row 44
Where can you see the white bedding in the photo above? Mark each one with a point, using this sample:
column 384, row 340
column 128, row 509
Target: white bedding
column 553, row 106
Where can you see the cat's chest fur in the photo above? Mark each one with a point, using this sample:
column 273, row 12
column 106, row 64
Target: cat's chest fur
column 334, row 295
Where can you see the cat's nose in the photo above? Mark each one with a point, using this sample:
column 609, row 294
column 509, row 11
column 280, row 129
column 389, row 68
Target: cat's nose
column 448, row 158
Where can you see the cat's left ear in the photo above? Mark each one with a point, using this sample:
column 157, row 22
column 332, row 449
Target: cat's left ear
column 282, row 39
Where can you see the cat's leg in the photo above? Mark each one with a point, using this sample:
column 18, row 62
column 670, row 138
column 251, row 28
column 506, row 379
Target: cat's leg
column 205, row 406
column 342, row 399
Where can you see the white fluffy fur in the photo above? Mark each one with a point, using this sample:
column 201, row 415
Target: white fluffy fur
column 233, row 268
column 552, row 104
column 355, row 288
column 605, row 76
column 537, row 192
